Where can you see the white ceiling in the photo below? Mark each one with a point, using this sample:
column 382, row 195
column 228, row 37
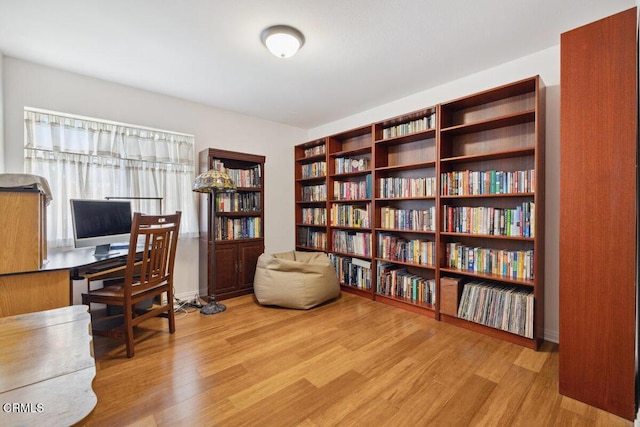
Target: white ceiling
column 358, row 53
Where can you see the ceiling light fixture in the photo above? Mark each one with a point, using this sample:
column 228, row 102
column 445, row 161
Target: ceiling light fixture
column 282, row 40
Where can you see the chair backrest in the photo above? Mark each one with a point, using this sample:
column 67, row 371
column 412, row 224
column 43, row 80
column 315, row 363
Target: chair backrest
column 158, row 235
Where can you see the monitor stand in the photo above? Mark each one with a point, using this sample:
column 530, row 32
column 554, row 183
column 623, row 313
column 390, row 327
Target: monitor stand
column 103, row 251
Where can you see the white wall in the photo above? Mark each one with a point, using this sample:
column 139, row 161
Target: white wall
column 545, row 63
column 28, row 84
column 1, row 116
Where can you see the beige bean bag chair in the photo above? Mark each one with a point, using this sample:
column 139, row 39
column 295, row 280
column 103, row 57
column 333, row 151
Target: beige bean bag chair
column 295, row 279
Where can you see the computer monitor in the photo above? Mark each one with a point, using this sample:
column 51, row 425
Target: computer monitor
column 100, row 223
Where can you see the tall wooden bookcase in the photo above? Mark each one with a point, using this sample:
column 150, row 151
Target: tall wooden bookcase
column 491, row 165
column 349, row 192
column 451, row 193
column 229, row 252
column 311, row 195
column 598, row 213
column 405, row 210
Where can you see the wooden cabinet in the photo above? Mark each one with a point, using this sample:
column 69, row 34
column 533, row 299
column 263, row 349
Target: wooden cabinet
column 240, row 261
column 232, row 224
column 453, row 191
column 598, row 214
column 30, row 292
column 23, row 229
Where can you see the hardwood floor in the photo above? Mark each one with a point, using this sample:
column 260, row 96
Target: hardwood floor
column 349, row 362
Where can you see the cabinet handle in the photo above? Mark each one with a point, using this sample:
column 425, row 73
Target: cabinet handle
column 240, row 268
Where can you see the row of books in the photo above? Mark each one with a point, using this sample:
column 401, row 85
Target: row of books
column 347, row 165
column 511, row 264
column 462, row 183
column 351, row 242
column 415, row 251
column 250, row 177
column 314, row 216
column 238, row 228
column 314, row 151
column 238, row 202
column 396, row 187
column 314, row 193
column 352, row 272
column 519, row 221
column 408, row 219
column 345, row 215
column 314, row 170
column 413, row 126
column 352, row 190
column 312, row 238
column 396, row 281
column 499, row 306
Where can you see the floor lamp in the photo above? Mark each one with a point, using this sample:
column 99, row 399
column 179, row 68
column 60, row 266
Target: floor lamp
column 213, row 182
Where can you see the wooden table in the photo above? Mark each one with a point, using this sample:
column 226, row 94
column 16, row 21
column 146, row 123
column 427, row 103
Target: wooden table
column 46, row 367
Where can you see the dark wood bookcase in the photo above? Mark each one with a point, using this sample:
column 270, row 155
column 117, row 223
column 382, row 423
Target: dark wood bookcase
column 229, row 253
column 452, row 163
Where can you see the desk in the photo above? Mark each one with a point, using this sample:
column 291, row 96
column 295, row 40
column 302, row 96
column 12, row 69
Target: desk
column 50, row 286
column 46, row 367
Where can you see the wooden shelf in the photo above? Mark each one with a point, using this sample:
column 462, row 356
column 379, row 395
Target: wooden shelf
column 487, row 236
column 495, row 123
column 311, row 159
column 489, row 196
column 494, row 155
column 411, row 137
column 410, row 166
column 493, row 277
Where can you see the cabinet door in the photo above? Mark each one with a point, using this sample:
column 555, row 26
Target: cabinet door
column 248, row 254
column 225, row 269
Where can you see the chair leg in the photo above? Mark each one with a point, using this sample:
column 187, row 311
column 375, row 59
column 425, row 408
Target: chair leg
column 128, row 329
column 171, row 315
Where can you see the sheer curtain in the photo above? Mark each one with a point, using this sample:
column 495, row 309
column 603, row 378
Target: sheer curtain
column 85, row 158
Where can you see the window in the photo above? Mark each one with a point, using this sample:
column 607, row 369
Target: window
column 85, row 158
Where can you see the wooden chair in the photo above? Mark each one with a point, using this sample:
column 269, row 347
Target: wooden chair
column 147, row 275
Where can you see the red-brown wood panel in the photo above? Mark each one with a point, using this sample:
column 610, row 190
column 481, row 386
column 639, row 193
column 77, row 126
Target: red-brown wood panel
column 598, row 213
column 226, row 268
column 248, row 258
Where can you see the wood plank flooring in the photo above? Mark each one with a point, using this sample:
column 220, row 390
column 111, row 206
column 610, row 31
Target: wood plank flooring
column 352, row 362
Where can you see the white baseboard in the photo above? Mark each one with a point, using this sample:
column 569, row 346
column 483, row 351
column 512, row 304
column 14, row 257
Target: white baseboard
column 552, row 336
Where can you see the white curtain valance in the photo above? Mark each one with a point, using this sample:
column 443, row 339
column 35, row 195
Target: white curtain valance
column 49, row 132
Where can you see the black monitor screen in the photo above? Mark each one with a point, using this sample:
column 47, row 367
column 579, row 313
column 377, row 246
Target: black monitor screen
column 99, row 222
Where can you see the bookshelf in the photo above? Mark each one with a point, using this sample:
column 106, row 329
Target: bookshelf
column 456, row 196
column 229, row 252
column 349, row 194
column 405, row 210
column 491, row 172
column 311, row 195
